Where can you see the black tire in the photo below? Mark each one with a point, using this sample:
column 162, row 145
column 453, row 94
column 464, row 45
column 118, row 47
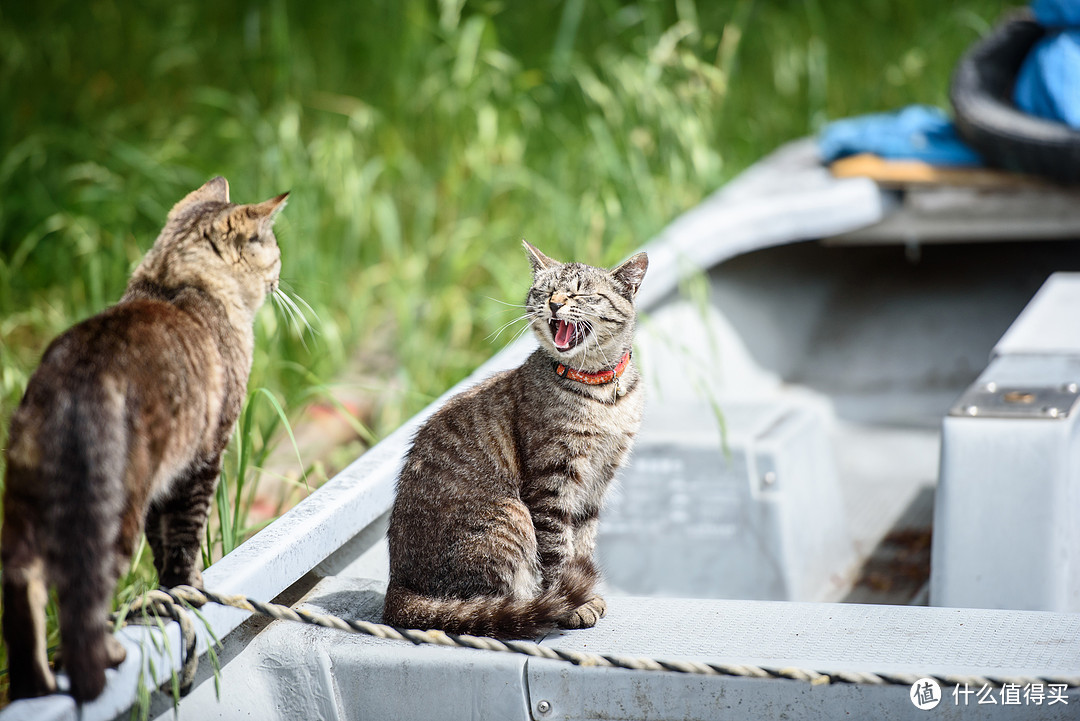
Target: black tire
column 986, row 118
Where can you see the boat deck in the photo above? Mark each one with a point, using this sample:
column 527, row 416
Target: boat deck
column 831, row 368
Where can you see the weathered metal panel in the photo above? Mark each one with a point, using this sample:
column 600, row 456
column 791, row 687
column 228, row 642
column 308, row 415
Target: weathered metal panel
column 612, row 695
column 836, row 637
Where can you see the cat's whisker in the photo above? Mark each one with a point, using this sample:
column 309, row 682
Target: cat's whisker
column 274, row 300
column 608, row 362
column 295, row 317
column 283, row 299
column 503, row 302
column 294, row 309
column 297, row 298
column 283, row 309
column 590, row 336
column 494, row 336
column 297, row 326
column 521, row 332
column 530, row 313
column 499, row 311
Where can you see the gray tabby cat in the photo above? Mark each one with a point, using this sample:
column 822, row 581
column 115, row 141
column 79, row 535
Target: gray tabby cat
column 123, row 424
column 494, row 525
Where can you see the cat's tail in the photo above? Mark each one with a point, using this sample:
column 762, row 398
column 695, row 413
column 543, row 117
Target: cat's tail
column 83, row 561
column 497, row 616
column 86, row 644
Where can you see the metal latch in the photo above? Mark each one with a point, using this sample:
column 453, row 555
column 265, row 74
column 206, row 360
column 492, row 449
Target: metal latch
column 990, row 400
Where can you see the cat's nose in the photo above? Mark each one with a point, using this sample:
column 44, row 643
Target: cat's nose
column 555, row 306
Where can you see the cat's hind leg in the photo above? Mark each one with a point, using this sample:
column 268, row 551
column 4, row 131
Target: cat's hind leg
column 179, row 522
column 486, row 581
column 494, row 554
column 25, row 592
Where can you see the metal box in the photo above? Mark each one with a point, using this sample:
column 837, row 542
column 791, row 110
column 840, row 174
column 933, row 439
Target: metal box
column 758, row 517
column 1007, row 514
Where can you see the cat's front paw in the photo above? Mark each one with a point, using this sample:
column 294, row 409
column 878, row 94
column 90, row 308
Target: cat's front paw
column 586, row 615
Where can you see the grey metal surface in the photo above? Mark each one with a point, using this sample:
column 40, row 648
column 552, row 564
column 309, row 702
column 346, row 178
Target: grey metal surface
column 837, row 637
column 1048, row 324
column 892, row 341
column 289, row 670
column 755, row 515
column 848, row 636
column 935, row 214
column 596, row 693
column 1007, row 521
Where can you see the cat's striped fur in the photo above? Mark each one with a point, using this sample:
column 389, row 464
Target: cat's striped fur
column 494, row 525
column 124, row 423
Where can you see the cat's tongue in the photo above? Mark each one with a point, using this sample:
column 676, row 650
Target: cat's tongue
column 564, row 334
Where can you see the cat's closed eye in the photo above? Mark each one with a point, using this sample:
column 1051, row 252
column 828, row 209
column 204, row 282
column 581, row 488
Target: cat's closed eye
column 256, row 238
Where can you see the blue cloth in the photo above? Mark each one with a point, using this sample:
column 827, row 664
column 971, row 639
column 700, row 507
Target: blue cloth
column 917, row 132
column 1056, row 13
column 1048, row 84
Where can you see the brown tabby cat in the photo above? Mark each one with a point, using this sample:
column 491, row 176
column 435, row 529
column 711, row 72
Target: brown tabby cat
column 494, row 525
column 124, row 423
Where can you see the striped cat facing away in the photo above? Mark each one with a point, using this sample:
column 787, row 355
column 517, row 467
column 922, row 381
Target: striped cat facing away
column 494, row 525
column 123, row 426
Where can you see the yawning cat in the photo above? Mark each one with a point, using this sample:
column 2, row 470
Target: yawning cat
column 494, row 525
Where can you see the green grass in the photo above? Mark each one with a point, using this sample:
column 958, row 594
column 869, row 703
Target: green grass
column 420, row 141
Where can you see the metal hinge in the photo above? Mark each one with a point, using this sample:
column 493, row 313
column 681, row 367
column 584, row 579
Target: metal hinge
column 990, row 400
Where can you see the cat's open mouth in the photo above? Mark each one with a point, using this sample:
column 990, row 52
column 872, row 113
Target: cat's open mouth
column 567, row 334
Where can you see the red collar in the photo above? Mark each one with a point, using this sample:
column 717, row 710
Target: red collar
column 594, row 379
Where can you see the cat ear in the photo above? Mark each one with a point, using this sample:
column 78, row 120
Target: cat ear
column 268, row 209
column 539, row 260
column 630, row 273
column 213, row 190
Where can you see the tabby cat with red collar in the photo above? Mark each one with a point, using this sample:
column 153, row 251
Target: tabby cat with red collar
column 494, row 526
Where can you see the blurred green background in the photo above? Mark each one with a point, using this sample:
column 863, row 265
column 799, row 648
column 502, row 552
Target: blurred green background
column 421, row 140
